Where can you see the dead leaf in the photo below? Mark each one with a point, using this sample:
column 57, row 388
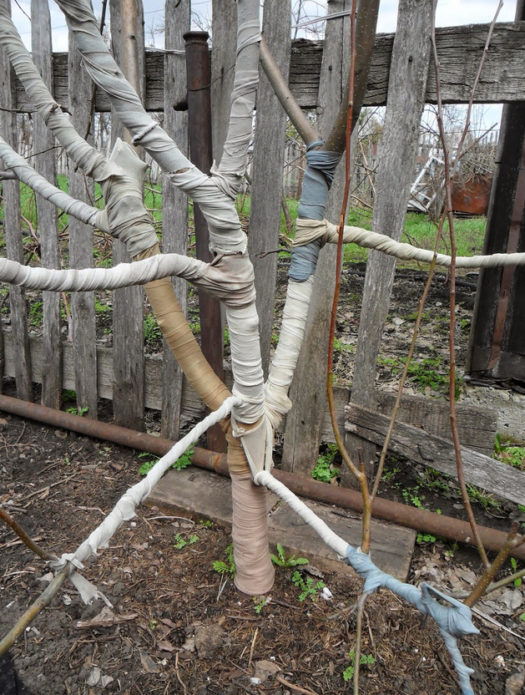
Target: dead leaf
column 105, row 618
column 264, row 669
column 148, row 664
column 94, row 676
column 166, row 646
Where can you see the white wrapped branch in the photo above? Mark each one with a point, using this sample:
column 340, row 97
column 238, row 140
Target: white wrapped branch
column 214, row 194
column 87, row 157
column 127, row 504
column 25, row 172
column 286, row 355
column 310, row 230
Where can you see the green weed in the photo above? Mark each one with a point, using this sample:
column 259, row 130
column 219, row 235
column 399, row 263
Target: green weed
column 509, row 453
column 425, row 538
column 183, row 462
column 323, row 470
column 151, row 329
column 282, row 561
column 365, row 660
column 260, row 603
column 514, row 565
column 483, row 498
column 78, row 411
column 307, row 587
column 180, row 542
column 228, row 567
column 36, row 314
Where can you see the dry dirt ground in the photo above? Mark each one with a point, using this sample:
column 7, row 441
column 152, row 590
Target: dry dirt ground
column 174, row 627
column 171, row 629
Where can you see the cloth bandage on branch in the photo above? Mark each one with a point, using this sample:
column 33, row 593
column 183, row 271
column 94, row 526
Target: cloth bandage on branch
column 318, row 177
column 324, row 232
column 452, row 617
column 229, row 278
column 127, row 504
column 24, row 172
column 215, row 194
column 286, row 355
column 84, row 155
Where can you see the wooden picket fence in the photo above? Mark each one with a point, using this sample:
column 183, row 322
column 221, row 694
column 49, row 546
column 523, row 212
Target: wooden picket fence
column 68, row 354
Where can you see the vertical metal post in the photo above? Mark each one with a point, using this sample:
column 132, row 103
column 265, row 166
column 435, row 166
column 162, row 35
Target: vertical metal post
column 198, row 69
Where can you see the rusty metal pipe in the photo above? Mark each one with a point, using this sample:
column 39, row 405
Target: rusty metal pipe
column 198, row 75
column 418, row 519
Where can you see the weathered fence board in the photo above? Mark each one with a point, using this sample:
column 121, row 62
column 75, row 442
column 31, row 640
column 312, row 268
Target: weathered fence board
column 458, row 47
column 267, row 179
column 308, row 390
column 81, row 246
column 476, row 425
column 127, row 32
column 497, row 340
column 396, row 171
column 436, row 452
column 174, row 201
column 45, row 164
column 13, row 234
column 224, row 24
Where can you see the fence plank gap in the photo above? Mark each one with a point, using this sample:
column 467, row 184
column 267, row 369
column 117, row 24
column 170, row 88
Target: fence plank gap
column 81, row 247
column 174, row 201
column 13, row 233
column 45, row 164
column 127, row 31
column 396, row 172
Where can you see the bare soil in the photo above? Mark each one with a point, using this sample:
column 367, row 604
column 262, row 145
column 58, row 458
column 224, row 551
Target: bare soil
column 173, row 627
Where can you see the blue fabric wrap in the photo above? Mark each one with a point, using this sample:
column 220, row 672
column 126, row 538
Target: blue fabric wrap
column 304, row 261
column 318, row 177
column 453, row 619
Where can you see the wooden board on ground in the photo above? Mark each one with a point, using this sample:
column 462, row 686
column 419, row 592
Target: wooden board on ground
column 208, row 495
column 417, row 445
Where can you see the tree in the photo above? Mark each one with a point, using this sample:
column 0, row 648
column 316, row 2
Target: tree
column 257, row 409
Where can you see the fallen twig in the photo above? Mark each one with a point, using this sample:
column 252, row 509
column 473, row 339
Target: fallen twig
column 292, row 686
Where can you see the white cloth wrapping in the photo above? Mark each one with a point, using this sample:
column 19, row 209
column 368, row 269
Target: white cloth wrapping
column 226, row 235
column 125, row 507
column 286, row 355
column 310, row 230
column 24, row 172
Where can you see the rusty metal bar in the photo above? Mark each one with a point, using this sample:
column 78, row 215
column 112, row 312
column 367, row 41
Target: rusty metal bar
column 198, row 71
column 418, row 519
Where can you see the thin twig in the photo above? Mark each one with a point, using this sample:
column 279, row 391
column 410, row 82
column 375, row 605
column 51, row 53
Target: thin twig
column 252, row 647
column 25, row 536
column 452, row 357
column 292, row 686
column 358, row 635
column 360, row 475
column 513, row 540
column 41, row 602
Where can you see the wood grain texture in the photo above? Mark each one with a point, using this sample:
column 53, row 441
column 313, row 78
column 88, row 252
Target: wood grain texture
column 308, row 391
column 44, row 163
column 459, row 50
column 13, row 232
column 127, row 32
column 396, row 170
column 223, row 53
column 267, row 178
column 174, row 201
column 436, row 452
column 477, row 425
column 81, row 247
